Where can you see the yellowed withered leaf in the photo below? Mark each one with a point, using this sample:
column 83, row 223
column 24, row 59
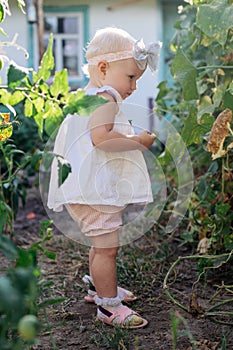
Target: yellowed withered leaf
column 6, row 128
column 220, row 130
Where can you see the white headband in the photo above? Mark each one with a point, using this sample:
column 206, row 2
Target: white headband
column 143, row 55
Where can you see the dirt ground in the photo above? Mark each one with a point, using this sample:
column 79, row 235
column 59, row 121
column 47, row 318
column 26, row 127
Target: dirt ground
column 71, row 325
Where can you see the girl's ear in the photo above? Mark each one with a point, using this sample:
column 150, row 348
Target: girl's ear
column 102, row 69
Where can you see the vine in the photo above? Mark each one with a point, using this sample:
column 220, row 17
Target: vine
column 200, row 104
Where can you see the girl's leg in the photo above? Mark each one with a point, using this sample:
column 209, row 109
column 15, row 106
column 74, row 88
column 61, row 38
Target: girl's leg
column 124, row 294
column 103, row 264
column 91, row 257
column 103, row 269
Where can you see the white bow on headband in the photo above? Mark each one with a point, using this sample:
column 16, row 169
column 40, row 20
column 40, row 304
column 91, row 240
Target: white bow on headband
column 147, row 55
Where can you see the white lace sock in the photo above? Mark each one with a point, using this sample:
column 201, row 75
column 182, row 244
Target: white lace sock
column 91, row 291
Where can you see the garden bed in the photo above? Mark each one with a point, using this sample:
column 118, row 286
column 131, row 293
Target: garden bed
column 142, row 267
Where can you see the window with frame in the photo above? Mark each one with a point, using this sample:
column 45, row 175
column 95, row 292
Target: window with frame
column 68, row 42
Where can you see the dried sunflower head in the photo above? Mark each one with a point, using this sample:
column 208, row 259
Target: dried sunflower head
column 220, row 130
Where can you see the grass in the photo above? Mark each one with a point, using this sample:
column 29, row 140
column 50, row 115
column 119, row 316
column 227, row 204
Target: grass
column 111, row 338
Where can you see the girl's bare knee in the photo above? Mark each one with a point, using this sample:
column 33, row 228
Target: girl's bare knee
column 109, row 252
column 106, row 241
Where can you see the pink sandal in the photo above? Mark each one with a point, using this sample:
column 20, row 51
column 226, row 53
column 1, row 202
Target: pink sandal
column 122, row 313
column 124, row 294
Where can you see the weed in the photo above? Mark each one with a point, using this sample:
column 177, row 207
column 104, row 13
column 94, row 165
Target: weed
column 177, row 319
column 115, row 338
column 225, row 339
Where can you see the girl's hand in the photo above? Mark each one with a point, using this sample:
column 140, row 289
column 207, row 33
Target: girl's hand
column 146, row 138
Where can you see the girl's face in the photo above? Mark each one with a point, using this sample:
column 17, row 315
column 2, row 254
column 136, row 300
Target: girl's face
column 122, row 75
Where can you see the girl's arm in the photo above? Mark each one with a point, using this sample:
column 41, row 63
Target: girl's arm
column 104, row 137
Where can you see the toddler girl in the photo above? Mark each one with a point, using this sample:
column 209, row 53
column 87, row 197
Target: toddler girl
column 108, row 168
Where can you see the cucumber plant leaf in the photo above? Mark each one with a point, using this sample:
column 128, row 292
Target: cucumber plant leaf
column 47, row 63
column 213, row 19
column 185, row 73
column 195, row 128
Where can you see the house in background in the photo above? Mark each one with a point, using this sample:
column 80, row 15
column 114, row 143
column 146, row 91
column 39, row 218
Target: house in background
column 74, row 22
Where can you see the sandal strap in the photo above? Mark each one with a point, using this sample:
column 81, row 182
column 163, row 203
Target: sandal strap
column 105, row 311
column 122, row 313
column 125, row 294
column 88, row 280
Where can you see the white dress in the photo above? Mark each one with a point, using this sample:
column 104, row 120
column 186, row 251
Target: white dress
column 98, row 177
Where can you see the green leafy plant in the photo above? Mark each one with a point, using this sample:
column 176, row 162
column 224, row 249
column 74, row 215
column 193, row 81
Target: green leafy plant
column 117, row 339
column 176, row 320
column 199, row 103
column 47, row 103
column 46, row 100
column 202, row 65
column 11, row 187
column 20, row 288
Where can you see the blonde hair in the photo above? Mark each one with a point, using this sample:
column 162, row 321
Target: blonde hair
column 108, row 40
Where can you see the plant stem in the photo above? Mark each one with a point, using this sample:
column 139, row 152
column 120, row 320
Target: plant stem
column 214, row 67
column 208, row 312
column 223, row 171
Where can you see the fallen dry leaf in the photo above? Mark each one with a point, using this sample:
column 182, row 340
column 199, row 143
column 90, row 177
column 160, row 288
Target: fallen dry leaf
column 195, row 308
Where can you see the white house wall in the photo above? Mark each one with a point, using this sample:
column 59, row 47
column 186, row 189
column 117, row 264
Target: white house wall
column 14, row 24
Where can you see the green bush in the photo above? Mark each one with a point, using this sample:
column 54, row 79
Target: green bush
column 21, row 287
column 202, row 65
column 31, row 110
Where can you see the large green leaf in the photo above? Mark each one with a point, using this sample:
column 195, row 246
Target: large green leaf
column 185, row 73
column 28, row 108
column 4, row 96
column 82, row 104
column 194, row 129
column 60, row 84
column 39, row 119
column 8, row 248
column 53, row 117
column 15, row 75
column 64, row 169
column 16, row 97
column 1, row 13
column 215, row 18
column 47, row 63
column 39, row 104
column 227, row 101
